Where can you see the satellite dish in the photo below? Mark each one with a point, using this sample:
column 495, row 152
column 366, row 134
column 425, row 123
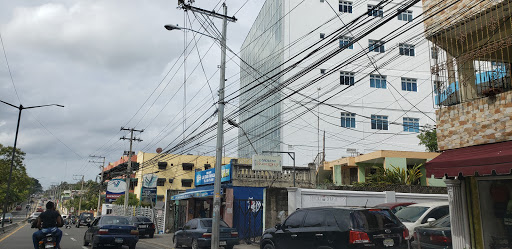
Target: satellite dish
column 159, row 150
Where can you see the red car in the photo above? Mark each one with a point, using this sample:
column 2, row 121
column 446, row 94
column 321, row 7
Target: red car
column 39, row 209
column 394, row 206
column 18, row 208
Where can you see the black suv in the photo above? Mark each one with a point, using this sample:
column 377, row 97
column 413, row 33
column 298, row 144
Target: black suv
column 337, row 227
column 85, row 219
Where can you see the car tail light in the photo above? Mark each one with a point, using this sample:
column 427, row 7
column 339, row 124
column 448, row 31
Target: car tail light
column 134, row 232
column 152, row 226
column 440, row 239
column 207, row 235
column 234, row 234
column 357, row 237
column 406, row 233
column 103, row 231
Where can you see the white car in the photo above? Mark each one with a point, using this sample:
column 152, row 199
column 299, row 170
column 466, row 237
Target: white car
column 421, row 214
column 33, row 217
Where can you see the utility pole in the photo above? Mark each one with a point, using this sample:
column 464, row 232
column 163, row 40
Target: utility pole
column 101, row 183
column 129, row 168
column 220, row 113
column 81, row 193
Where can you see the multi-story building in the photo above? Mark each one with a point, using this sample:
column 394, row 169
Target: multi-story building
column 472, row 41
column 315, row 66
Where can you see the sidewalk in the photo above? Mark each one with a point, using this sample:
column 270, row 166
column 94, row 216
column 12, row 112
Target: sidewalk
column 165, row 241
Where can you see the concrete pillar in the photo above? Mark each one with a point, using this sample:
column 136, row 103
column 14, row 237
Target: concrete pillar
column 467, row 85
column 458, row 214
column 390, row 196
column 294, row 199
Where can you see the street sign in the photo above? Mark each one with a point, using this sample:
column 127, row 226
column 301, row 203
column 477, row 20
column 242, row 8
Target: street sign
column 268, row 163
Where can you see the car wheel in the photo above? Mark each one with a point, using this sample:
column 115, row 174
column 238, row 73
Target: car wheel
column 95, row 246
column 151, row 235
column 132, row 246
column 269, row 246
column 194, row 244
column 85, row 242
column 228, row 247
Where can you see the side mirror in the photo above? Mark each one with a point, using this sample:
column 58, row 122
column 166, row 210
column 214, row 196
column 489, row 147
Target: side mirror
column 430, row 220
column 278, row 226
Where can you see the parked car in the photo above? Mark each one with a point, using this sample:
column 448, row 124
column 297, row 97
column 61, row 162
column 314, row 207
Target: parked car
column 197, row 233
column 8, row 217
column 144, row 225
column 394, row 206
column 421, row 214
column 18, row 207
column 111, row 230
column 85, row 219
column 336, row 228
column 33, row 217
column 437, row 234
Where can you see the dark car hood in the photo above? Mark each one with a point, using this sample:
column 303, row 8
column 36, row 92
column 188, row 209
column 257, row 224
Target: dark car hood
column 270, row 230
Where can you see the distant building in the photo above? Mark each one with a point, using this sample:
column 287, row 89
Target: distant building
column 374, row 92
column 350, row 170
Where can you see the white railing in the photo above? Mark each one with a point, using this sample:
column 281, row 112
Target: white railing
column 142, row 211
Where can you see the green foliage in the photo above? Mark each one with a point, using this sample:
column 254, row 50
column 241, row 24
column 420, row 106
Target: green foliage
column 395, row 175
column 21, row 184
column 132, row 201
column 89, row 196
column 429, row 139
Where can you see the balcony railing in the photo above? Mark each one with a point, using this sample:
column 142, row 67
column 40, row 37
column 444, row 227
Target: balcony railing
column 243, row 175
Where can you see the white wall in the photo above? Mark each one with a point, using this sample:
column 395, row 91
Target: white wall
column 303, row 198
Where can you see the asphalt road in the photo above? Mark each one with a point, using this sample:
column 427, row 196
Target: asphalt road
column 21, row 238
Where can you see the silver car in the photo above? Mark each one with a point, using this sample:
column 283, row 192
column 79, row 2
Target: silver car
column 8, row 217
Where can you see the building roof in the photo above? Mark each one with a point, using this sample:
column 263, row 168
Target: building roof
column 379, row 156
column 479, row 160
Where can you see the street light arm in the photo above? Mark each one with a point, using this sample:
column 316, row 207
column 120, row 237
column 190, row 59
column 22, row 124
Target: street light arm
column 30, row 107
column 17, row 107
column 175, row 27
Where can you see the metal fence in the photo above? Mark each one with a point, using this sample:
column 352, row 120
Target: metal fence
column 142, row 211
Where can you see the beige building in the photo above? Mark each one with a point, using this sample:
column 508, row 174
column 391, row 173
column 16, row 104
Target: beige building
column 173, row 172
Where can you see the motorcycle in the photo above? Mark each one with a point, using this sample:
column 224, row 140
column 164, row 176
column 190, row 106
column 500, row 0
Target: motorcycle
column 49, row 240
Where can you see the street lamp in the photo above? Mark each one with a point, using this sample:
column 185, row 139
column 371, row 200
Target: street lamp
column 20, row 108
column 235, row 124
column 176, row 27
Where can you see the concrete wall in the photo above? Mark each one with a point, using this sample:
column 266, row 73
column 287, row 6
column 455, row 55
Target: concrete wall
column 482, row 121
column 276, row 206
column 302, row 198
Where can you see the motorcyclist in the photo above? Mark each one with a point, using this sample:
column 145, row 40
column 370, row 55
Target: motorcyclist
column 48, row 219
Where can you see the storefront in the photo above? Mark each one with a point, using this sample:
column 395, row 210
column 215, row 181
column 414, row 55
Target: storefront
column 479, row 182
column 242, row 207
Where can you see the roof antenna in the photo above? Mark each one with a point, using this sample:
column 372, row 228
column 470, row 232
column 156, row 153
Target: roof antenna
column 366, row 203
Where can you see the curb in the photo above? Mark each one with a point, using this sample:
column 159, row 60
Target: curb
column 6, row 229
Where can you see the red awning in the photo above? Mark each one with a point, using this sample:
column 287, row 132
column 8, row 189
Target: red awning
column 475, row 160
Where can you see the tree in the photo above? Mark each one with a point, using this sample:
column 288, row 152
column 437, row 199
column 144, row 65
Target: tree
column 429, row 139
column 132, row 200
column 21, row 183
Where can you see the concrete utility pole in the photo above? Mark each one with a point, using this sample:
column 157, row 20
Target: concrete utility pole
column 101, row 184
column 81, row 193
column 129, row 168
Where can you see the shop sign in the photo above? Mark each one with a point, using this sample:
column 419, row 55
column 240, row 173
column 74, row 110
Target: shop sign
column 115, row 188
column 149, row 180
column 206, row 177
column 268, row 163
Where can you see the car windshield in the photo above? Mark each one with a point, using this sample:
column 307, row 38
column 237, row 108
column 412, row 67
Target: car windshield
column 114, row 220
column 374, row 219
column 411, row 214
column 208, row 223
column 442, row 222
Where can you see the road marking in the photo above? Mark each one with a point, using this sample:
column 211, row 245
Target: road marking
column 2, row 239
column 73, row 239
column 84, row 247
column 66, row 234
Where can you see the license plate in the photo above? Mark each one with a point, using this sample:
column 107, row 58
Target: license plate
column 118, row 240
column 222, row 243
column 143, row 226
column 49, row 246
column 388, row 242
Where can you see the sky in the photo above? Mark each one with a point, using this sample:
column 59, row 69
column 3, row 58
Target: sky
column 110, row 63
